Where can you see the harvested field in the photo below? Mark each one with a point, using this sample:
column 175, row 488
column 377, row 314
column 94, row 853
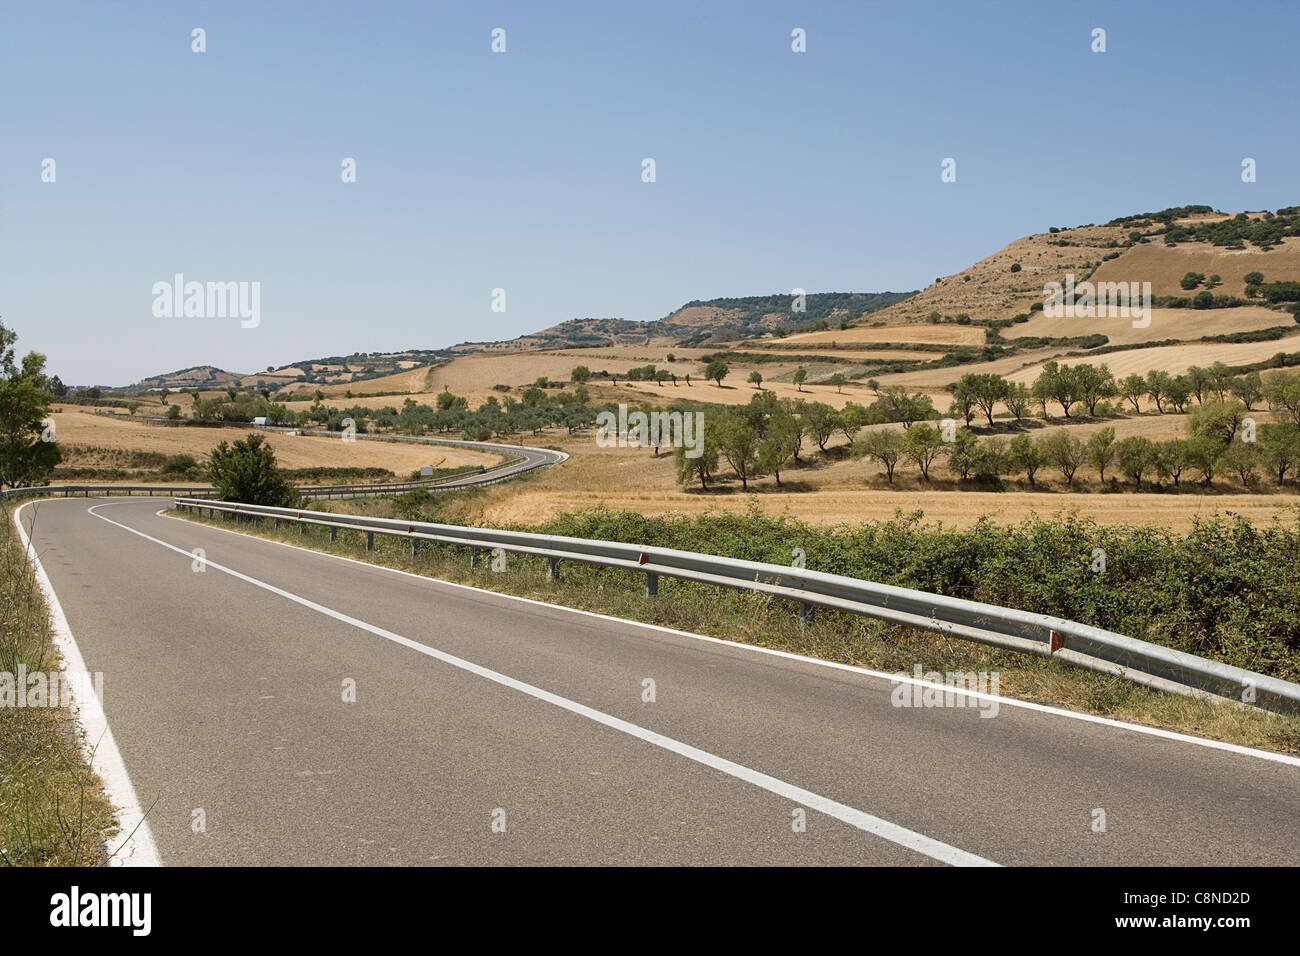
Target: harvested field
column 303, row 451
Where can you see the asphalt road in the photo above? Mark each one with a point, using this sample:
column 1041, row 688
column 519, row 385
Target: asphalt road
column 224, row 691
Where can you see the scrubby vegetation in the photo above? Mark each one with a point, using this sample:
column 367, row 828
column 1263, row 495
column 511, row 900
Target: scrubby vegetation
column 52, row 808
column 1224, row 590
column 1223, row 441
column 1265, row 232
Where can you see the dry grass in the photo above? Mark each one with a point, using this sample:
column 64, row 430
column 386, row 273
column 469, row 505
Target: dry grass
column 1163, row 267
column 53, row 811
column 1186, row 324
column 943, row 334
column 1174, row 359
column 303, row 451
column 837, row 491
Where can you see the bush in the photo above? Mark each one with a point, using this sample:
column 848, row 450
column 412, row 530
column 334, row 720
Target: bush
column 247, row 472
column 180, row 465
column 1225, row 589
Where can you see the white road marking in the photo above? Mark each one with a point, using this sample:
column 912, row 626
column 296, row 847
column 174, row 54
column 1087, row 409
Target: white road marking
column 138, row 847
column 1174, row 735
column 919, row 843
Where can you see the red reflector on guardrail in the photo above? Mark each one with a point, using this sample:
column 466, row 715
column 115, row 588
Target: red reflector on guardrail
column 1055, row 642
column 642, row 559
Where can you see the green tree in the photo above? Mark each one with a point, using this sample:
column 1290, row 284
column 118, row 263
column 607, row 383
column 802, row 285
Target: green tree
column 28, row 451
column 1158, row 385
column 961, row 452
column 1203, row 454
column 923, row 443
column 991, row 459
column 1092, row 383
column 1132, row 388
column 1019, row 400
column 782, row 434
column 717, row 370
column 581, row 373
column 1243, row 457
column 1178, row 391
column 1101, row 450
column 247, row 472
column 854, row 417
column 1283, row 393
column 985, row 390
column 1220, row 378
column 963, row 404
column 821, row 421
column 739, row 443
column 1173, row 459
column 756, row 378
column 1248, row 388
column 1137, row 456
column 1066, row 452
column 1198, row 380
column 1056, row 383
column 799, row 377
column 1217, row 419
column 704, row 465
column 1025, row 454
column 898, row 406
column 1280, row 447
column 884, row 445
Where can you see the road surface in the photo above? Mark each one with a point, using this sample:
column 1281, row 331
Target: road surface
column 493, row 730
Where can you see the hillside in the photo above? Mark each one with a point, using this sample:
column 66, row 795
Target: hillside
column 1159, row 248
column 200, row 376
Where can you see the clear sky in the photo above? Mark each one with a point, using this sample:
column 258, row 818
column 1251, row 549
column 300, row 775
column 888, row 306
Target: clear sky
column 522, row 170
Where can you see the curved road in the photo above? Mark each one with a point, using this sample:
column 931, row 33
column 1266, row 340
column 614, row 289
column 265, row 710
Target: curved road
column 224, row 689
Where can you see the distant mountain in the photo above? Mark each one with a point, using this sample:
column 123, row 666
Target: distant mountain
column 200, row 376
column 702, row 321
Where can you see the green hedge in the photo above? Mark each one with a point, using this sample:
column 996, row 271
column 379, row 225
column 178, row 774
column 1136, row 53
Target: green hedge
column 1226, row 589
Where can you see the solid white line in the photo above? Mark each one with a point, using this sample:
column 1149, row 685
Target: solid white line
column 138, row 847
column 1173, row 735
column 926, row 846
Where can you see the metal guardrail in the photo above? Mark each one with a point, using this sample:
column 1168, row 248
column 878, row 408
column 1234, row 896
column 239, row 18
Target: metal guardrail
column 1151, row 664
column 520, row 460
column 68, row 491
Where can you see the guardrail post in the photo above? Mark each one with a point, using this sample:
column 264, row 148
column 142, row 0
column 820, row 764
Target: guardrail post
column 302, row 527
column 651, row 584
column 473, row 557
column 553, row 568
column 807, row 613
column 277, row 524
column 334, row 534
column 370, row 541
column 415, row 547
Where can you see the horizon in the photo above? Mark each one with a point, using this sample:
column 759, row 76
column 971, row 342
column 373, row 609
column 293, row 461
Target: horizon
column 523, row 170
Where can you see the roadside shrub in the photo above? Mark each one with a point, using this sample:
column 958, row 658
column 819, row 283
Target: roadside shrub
column 1225, row 589
column 247, row 472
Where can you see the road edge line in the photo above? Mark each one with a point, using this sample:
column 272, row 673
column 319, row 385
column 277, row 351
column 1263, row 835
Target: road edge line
column 900, row 678
column 139, row 848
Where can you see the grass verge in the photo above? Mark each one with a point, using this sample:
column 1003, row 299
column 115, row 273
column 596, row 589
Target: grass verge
column 837, row 636
column 53, row 811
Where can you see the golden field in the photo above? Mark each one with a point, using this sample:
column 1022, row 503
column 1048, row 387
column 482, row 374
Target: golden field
column 301, row 451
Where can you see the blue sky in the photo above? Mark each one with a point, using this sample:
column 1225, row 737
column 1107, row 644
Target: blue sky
column 522, row 170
